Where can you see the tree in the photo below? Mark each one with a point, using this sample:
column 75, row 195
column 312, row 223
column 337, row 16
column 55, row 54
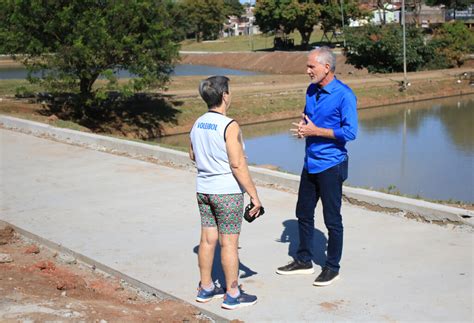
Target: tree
column 73, row 42
column 379, row 48
column 179, row 18
column 206, row 17
column 287, row 15
column 233, row 8
column 416, row 7
column 451, row 42
column 381, row 6
column 331, row 17
column 267, row 15
column 302, row 17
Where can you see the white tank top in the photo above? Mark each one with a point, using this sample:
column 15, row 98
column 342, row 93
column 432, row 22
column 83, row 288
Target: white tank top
column 208, row 140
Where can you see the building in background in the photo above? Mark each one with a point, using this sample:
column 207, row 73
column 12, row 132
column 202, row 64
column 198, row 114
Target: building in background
column 466, row 16
column 243, row 25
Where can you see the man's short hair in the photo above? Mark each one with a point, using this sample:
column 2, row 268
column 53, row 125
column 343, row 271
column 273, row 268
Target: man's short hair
column 325, row 56
column 212, row 89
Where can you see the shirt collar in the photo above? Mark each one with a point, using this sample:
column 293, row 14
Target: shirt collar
column 329, row 87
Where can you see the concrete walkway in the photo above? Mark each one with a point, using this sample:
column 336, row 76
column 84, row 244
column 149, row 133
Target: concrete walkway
column 141, row 219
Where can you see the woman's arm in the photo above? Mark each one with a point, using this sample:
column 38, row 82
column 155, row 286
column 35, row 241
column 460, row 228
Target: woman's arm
column 238, row 164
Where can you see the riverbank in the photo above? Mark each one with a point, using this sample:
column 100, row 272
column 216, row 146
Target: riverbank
column 276, row 62
column 256, row 99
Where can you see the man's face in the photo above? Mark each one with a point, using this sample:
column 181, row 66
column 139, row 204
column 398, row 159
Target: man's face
column 315, row 70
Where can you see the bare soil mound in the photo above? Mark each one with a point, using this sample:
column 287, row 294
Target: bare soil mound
column 266, row 62
column 36, row 286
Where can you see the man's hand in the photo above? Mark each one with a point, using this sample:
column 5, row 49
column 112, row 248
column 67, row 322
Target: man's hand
column 309, row 129
column 296, row 131
column 306, row 128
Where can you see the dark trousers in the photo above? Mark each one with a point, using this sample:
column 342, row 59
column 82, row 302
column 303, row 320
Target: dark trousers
column 326, row 186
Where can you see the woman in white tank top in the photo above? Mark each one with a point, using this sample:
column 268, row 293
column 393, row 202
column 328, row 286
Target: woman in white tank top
column 223, row 176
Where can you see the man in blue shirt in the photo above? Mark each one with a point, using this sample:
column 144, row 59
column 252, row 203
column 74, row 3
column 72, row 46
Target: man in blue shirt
column 329, row 120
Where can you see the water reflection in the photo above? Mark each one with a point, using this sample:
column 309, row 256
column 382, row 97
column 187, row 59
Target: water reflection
column 424, row 148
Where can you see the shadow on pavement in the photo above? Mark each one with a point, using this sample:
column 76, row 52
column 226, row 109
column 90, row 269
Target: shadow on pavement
column 217, row 271
column 290, row 235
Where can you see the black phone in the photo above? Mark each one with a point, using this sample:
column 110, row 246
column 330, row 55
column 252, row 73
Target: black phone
column 247, row 216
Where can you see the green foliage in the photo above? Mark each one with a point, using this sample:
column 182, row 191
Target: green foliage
column 302, row 17
column 182, row 26
column 451, row 42
column 74, row 42
column 203, row 19
column 233, row 8
column 331, row 18
column 206, row 17
column 288, row 15
column 267, row 15
column 23, row 92
column 380, row 48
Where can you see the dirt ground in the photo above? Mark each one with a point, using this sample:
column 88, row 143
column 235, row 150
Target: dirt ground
column 266, row 62
column 37, row 285
column 273, row 62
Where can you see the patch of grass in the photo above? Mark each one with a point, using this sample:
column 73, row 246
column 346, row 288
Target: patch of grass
column 182, row 83
column 180, row 148
column 250, row 104
column 10, row 87
column 392, row 190
column 246, row 43
column 69, row 125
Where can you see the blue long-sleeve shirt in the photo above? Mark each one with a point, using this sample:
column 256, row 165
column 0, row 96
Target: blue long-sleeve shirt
column 333, row 106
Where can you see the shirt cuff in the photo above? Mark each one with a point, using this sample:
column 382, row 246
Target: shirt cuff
column 339, row 134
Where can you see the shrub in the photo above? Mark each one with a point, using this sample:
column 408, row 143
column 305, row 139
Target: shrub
column 451, row 42
column 380, row 48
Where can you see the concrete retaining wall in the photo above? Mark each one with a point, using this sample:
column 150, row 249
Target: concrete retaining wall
column 421, row 210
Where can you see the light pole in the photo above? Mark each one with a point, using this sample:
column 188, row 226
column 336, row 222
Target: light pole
column 251, row 35
column 342, row 19
column 405, row 81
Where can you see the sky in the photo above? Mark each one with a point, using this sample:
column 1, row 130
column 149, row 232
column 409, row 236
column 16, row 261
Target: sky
column 245, row 1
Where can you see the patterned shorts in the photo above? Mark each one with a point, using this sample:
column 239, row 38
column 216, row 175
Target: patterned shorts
column 222, row 210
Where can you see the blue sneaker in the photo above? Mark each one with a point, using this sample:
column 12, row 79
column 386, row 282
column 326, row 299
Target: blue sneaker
column 231, row 303
column 204, row 296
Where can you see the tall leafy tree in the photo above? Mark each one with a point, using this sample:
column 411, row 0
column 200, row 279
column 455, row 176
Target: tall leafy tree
column 288, row 15
column 179, row 18
column 267, row 15
column 302, row 16
column 233, row 8
column 75, row 41
column 379, row 48
column 206, row 17
column 451, row 42
column 331, row 16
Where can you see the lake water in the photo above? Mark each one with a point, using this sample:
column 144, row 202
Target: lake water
column 180, row 70
column 424, row 148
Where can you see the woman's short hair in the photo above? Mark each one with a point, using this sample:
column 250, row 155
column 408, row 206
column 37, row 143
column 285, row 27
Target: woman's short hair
column 212, row 89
